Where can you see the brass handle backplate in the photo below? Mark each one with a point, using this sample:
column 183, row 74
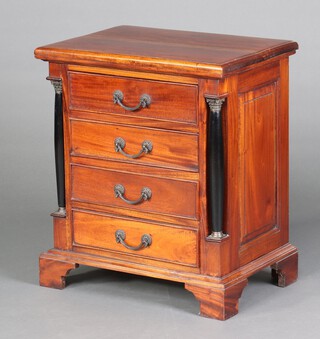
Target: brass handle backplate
column 119, row 145
column 146, row 240
column 145, row 101
column 119, row 190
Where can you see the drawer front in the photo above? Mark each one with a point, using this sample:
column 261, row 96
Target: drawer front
column 169, row 101
column 167, row 243
column 167, row 196
column 169, row 149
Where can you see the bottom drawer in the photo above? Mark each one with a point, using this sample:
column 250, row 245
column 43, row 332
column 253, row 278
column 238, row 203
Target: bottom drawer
column 167, row 243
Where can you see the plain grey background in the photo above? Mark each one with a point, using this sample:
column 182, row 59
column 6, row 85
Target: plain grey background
column 102, row 304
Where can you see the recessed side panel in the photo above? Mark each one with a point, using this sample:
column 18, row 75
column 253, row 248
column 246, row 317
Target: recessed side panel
column 258, row 154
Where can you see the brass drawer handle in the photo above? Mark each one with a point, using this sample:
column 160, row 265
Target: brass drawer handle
column 145, row 101
column 119, row 145
column 145, row 194
column 146, row 241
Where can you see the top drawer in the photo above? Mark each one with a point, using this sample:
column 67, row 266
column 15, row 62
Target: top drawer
column 169, row 101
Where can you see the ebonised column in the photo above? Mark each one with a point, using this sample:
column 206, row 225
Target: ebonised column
column 215, row 168
column 59, row 147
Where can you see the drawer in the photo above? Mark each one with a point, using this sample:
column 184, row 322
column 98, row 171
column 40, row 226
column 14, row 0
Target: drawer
column 167, row 196
column 167, row 243
column 169, row 101
column 168, row 149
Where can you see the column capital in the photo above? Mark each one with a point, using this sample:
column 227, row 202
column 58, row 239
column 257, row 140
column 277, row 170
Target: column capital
column 215, row 103
column 56, row 83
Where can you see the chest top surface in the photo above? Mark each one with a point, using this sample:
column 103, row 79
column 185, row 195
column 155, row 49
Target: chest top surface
column 165, row 51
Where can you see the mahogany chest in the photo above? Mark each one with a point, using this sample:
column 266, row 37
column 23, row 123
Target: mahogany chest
column 171, row 153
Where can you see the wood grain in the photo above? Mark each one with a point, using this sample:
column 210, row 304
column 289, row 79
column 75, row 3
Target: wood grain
column 265, row 74
column 132, row 74
column 92, row 92
column 175, row 150
column 160, row 218
column 60, row 233
column 285, row 272
column 283, row 151
column 168, row 243
column 53, row 272
column 154, row 171
column 171, row 197
column 258, row 120
column 222, row 303
column 178, row 70
column 219, row 303
column 165, row 51
column 195, row 278
column 134, row 121
column 67, row 145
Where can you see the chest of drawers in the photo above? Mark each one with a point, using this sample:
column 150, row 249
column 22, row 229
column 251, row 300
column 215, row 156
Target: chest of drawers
column 171, row 156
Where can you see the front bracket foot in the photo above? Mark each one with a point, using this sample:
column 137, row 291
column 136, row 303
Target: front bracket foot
column 52, row 272
column 285, row 271
column 220, row 302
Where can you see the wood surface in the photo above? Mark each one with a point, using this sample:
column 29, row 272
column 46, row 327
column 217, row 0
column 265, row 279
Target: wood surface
column 259, row 132
column 219, row 303
column 92, row 92
column 165, row 51
column 285, row 272
column 175, row 150
column 156, row 172
column 178, row 70
column 168, row 243
column 269, row 237
column 122, row 264
column 171, row 197
column 53, row 272
column 60, row 233
column 218, row 296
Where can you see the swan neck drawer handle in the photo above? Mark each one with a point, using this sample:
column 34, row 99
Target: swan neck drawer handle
column 119, row 193
column 119, row 145
column 146, row 240
column 145, row 101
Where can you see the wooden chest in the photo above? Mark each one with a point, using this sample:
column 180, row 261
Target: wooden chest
column 171, row 155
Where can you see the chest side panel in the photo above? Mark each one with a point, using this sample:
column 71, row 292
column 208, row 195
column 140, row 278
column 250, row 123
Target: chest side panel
column 263, row 166
column 258, row 155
